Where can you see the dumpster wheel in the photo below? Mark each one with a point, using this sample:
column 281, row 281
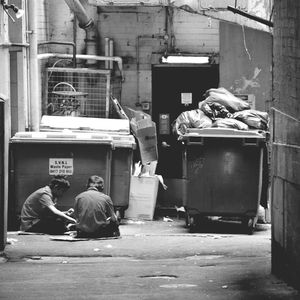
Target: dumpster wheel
column 187, row 220
column 193, row 224
column 249, row 224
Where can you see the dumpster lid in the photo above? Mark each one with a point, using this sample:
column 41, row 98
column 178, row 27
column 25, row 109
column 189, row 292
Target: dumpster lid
column 58, row 123
column 65, row 136
column 123, row 141
column 223, row 133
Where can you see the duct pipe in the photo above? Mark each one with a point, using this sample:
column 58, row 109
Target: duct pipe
column 34, row 98
column 116, row 59
column 86, row 23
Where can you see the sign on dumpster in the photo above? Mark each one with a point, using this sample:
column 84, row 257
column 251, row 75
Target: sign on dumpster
column 61, row 166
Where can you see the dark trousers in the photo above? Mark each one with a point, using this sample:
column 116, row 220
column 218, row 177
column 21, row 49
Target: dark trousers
column 50, row 225
column 109, row 230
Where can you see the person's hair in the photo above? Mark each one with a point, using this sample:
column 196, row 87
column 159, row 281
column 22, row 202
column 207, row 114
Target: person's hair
column 60, row 182
column 95, row 181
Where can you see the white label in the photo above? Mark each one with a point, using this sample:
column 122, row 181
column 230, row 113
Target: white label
column 61, row 166
column 186, row 98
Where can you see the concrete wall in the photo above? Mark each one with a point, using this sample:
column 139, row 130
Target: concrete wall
column 246, row 62
column 286, row 142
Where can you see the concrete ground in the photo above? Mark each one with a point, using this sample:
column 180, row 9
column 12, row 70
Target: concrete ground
column 151, row 260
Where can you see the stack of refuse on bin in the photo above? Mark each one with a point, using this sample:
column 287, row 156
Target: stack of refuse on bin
column 221, row 109
column 225, row 159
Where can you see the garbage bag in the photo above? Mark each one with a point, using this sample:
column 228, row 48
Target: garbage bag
column 191, row 119
column 224, row 97
column 230, row 123
column 254, row 118
column 215, row 110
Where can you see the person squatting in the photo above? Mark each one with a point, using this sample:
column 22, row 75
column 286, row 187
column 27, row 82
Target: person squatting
column 93, row 215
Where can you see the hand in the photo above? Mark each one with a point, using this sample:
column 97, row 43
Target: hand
column 69, row 212
column 72, row 220
column 71, row 227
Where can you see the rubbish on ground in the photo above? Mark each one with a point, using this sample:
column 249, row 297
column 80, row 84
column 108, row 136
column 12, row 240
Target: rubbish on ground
column 135, row 222
column 224, row 286
column 167, row 219
column 182, row 209
column 11, row 241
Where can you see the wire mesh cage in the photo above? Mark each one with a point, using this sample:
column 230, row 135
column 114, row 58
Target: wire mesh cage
column 79, row 92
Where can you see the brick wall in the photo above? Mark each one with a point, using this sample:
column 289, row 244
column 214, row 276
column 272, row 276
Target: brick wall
column 145, row 27
column 286, row 142
column 132, row 26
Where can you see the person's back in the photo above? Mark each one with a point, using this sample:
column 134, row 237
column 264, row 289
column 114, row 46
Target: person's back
column 92, row 208
column 94, row 211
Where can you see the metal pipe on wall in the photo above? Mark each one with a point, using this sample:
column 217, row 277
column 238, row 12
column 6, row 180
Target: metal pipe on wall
column 111, row 53
column 106, row 51
column 116, row 59
column 34, row 100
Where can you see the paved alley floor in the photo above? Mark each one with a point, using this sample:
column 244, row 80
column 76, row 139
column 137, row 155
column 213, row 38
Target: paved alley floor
column 151, row 260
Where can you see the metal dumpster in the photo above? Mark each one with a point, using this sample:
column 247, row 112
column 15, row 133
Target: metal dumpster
column 123, row 144
column 37, row 156
column 223, row 172
column 121, row 169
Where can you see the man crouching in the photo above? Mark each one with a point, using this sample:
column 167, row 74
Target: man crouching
column 94, row 212
column 39, row 212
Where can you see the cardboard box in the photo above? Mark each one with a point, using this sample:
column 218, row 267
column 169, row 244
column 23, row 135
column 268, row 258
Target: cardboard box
column 147, row 141
column 144, row 129
column 142, row 197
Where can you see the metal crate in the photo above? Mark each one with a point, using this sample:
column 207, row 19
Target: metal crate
column 78, row 92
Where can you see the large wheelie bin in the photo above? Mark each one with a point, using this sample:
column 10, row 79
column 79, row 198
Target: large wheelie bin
column 223, row 172
column 123, row 144
column 37, row 156
column 121, row 168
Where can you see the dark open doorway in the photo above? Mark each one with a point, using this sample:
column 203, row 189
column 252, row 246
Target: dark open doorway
column 176, row 89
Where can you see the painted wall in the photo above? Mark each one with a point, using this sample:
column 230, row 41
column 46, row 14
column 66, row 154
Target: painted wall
column 286, row 142
column 246, row 62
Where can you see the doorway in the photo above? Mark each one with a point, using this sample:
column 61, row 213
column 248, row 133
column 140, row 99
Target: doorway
column 176, row 89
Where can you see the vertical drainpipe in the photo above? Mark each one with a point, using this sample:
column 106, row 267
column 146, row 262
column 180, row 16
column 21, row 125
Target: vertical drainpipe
column 106, row 51
column 35, row 97
column 86, row 23
column 111, row 53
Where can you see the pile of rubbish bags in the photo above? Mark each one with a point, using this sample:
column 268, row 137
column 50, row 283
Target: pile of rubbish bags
column 221, row 109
